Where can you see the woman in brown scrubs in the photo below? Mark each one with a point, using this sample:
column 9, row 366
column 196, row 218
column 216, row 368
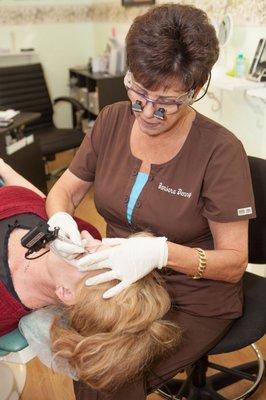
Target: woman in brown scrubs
column 158, row 165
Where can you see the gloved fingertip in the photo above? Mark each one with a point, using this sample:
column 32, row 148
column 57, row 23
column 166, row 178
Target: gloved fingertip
column 107, row 295
column 114, row 291
column 76, row 242
column 88, row 282
column 112, row 242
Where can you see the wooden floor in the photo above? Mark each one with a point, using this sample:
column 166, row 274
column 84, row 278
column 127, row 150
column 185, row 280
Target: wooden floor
column 43, row 384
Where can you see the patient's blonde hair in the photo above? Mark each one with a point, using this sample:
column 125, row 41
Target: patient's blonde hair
column 109, row 342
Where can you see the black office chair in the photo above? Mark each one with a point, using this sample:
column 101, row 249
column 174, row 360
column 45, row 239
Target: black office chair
column 246, row 330
column 24, row 88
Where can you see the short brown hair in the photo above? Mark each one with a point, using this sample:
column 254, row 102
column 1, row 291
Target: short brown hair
column 171, row 42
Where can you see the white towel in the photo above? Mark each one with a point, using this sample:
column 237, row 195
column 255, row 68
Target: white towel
column 8, row 114
column 36, row 329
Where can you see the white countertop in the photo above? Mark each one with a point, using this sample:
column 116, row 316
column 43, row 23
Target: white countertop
column 222, row 81
column 260, row 93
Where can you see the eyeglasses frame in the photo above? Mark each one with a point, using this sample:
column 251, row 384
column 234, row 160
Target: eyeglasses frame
column 128, row 81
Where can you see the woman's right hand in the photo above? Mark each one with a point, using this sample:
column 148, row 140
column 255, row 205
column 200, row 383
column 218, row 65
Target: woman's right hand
column 69, row 241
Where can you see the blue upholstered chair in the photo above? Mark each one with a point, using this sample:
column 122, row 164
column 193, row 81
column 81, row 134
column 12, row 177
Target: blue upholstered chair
column 12, row 365
column 12, row 343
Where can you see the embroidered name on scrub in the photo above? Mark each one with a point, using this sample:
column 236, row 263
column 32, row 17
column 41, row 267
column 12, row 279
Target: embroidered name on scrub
column 176, row 192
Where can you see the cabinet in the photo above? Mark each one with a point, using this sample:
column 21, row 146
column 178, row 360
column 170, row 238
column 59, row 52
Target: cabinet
column 22, row 152
column 27, row 161
column 96, row 90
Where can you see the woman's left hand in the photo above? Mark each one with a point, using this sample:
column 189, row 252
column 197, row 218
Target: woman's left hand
column 128, row 260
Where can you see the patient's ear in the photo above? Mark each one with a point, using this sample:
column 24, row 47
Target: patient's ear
column 66, row 295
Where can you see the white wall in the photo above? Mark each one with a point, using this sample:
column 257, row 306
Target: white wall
column 245, row 117
column 59, row 46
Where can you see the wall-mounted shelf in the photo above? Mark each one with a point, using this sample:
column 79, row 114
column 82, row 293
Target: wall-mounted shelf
column 225, row 82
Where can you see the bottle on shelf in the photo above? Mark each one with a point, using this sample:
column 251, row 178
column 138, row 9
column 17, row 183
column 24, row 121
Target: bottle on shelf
column 240, row 68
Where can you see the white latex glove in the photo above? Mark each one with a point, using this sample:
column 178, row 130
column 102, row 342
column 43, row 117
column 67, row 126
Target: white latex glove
column 128, row 260
column 69, row 242
column 90, row 244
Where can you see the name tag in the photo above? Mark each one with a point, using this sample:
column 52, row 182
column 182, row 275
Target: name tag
column 244, row 211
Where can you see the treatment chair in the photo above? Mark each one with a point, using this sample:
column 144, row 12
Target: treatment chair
column 246, row 330
column 24, row 88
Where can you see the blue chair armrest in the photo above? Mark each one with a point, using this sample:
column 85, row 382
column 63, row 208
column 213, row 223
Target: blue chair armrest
column 12, row 342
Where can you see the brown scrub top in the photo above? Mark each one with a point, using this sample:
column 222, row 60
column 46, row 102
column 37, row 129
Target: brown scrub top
column 209, row 178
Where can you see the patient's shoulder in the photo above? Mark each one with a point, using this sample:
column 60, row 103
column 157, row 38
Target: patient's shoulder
column 19, row 200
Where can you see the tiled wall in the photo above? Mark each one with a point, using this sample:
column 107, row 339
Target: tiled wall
column 244, row 12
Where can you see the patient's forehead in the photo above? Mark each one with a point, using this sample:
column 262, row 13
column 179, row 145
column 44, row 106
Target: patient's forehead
column 80, row 276
column 76, row 274
column 69, row 271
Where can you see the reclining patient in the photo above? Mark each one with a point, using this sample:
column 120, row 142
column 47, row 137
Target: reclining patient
column 106, row 341
column 27, row 284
